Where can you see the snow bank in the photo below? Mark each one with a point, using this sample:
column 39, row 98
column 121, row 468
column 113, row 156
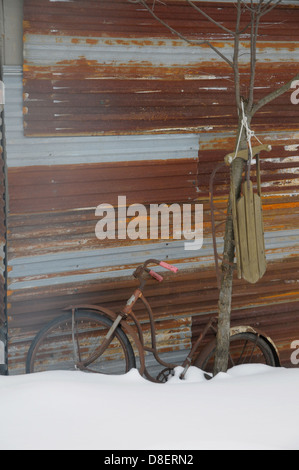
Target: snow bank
column 250, row 407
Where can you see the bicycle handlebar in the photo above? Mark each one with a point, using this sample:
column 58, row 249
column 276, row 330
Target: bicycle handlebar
column 165, row 265
column 155, row 275
column 169, row 266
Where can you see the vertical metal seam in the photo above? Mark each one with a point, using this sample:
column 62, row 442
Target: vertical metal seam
column 2, row 33
column 5, row 211
column 4, row 327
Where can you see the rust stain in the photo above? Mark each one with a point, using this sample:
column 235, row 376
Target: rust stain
column 92, row 42
column 82, row 62
column 284, row 294
column 26, row 25
column 278, row 46
column 285, row 206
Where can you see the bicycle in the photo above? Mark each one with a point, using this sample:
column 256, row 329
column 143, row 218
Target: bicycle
column 95, row 339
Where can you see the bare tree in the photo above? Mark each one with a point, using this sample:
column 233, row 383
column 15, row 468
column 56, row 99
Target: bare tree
column 247, row 107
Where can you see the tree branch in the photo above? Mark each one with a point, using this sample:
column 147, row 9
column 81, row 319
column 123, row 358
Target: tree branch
column 210, row 18
column 246, row 6
column 255, row 21
column 272, row 96
column 265, row 11
column 181, row 36
column 236, row 57
column 229, row 62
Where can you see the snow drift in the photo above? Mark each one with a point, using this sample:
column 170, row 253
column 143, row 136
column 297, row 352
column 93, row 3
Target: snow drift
column 250, row 407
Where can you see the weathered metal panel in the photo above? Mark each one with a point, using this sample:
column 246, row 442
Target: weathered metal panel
column 55, row 185
column 111, row 18
column 87, row 149
column 63, row 187
column 121, row 72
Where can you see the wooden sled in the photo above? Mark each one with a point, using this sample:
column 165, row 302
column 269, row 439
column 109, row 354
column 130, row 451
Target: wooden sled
column 249, row 231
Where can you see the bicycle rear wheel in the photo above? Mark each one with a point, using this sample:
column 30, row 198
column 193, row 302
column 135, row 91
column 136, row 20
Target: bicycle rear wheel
column 64, row 341
column 245, row 348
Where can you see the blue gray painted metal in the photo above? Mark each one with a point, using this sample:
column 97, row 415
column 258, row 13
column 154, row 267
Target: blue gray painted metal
column 42, row 50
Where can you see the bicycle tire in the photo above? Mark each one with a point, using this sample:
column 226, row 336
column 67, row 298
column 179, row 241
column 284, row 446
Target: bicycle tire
column 258, row 352
column 53, row 346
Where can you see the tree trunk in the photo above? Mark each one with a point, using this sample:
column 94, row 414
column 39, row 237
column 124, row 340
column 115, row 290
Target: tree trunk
column 225, row 295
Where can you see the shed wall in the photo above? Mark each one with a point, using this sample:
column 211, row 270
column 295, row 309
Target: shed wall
column 163, row 125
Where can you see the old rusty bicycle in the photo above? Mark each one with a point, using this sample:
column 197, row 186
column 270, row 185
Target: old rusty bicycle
column 95, row 339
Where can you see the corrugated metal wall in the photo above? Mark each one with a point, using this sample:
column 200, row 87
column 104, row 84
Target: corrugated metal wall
column 109, row 67
column 115, row 106
column 54, row 255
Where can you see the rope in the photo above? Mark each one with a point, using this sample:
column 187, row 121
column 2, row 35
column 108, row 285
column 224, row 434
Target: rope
column 249, row 135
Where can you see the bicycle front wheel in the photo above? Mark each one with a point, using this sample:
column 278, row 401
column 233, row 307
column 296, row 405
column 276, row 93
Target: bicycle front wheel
column 245, row 348
column 67, row 340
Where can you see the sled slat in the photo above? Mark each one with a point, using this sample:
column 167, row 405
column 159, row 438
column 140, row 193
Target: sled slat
column 251, row 247
column 243, row 237
column 260, row 240
column 251, row 232
column 236, row 237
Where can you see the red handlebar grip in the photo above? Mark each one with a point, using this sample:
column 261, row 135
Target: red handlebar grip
column 156, row 276
column 169, row 266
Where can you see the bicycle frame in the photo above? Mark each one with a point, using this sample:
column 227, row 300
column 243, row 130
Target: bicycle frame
column 138, row 337
column 141, row 273
column 127, row 316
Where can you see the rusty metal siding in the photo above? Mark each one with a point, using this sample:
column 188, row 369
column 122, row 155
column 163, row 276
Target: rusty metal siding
column 62, row 169
column 55, row 185
column 121, row 72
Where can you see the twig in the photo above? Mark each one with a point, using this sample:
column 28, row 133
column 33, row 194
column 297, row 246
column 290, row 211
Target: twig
column 236, row 57
column 265, row 11
column 210, row 18
column 255, row 20
column 180, row 35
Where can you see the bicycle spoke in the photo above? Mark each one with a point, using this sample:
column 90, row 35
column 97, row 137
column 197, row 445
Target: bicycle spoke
column 242, row 353
column 231, row 360
column 253, row 349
